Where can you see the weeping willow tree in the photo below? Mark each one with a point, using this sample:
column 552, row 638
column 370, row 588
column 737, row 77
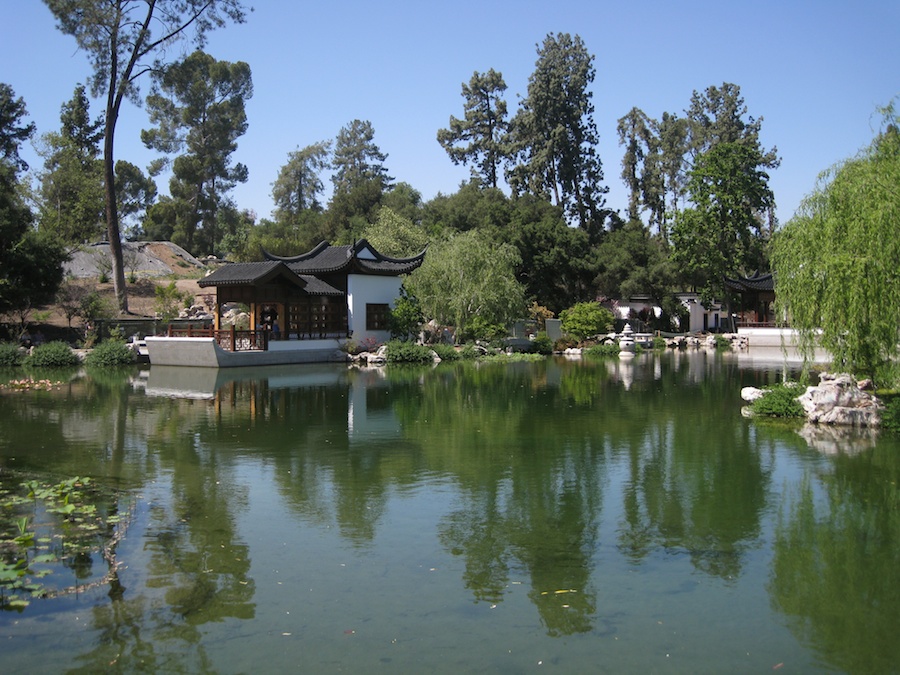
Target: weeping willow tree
column 837, row 261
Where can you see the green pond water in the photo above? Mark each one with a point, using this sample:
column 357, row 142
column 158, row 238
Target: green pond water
column 566, row 516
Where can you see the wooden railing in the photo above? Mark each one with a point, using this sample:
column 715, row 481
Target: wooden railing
column 229, row 339
column 234, row 340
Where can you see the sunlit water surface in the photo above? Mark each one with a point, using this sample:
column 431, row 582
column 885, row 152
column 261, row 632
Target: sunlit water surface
column 567, row 516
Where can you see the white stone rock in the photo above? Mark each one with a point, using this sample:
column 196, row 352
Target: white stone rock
column 838, row 400
column 751, row 394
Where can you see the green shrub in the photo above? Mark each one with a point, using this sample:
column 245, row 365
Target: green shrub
column 110, row 353
column 469, row 352
column 408, row 352
column 169, row 300
column 10, row 355
column 607, row 349
column 659, row 344
column 723, row 344
column 585, row 319
column 446, row 352
column 52, row 355
column 94, row 306
column 406, row 316
column 515, row 357
column 564, row 343
column 542, row 344
column 780, row 400
column 480, row 329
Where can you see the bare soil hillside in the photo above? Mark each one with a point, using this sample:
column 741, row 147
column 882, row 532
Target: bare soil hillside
column 153, row 264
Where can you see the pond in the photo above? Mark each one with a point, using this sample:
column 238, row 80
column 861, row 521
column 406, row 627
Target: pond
column 565, row 515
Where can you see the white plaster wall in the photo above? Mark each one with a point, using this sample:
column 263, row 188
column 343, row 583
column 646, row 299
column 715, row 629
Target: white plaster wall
column 366, row 289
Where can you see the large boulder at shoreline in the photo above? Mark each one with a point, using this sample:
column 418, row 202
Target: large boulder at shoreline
column 838, row 400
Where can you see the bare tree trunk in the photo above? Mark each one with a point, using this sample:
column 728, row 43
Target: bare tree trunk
column 113, row 232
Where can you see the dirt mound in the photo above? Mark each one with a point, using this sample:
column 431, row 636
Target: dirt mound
column 150, row 264
column 141, row 259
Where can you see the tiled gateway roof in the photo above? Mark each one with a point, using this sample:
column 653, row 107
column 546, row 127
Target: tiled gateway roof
column 255, row 273
column 360, row 257
column 757, row 282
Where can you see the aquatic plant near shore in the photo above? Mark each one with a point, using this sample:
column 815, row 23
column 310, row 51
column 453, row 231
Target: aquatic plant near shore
column 49, row 527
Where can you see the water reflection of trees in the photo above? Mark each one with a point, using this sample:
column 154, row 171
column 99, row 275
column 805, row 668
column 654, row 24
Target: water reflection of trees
column 835, row 571
column 531, row 449
column 533, row 478
column 197, row 566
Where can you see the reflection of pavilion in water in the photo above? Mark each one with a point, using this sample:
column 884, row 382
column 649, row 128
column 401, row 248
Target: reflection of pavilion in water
column 370, row 415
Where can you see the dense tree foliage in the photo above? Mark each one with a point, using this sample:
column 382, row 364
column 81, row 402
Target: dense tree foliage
column 554, row 135
column 71, row 184
column 466, row 276
column 661, row 154
column 586, row 319
column 124, row 39
column 837, row 260
column 632, row 262
column 394, row 235
column 557, row 267
column 360, row 181
column 13, row 131
column 135, row 193
column 480, row 138
column 698, row 197
column 198, row 107
column 722, row 234
column 555, row 260
column 299, row 182
column 30, row 262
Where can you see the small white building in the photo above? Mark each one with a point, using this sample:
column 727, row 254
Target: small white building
column 328, row 292
column 302, row 309
column 702, row 319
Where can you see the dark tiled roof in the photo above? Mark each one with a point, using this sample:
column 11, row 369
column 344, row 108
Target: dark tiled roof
column 255, row 273
column 315, row 286
column 242, row 274
column 327, row 259
column 757, row 282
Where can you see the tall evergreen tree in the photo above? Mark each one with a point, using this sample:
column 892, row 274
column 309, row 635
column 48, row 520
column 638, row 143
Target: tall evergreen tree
column 360, row 180
column 12, row 130
column 30, row 262
column 299, row 182
column 357, row 159
column 198, row 108
column 479, row 138
column 554, row 134
column 71, row 185
column 636, row 133
column 136, row 193
column 719, row 115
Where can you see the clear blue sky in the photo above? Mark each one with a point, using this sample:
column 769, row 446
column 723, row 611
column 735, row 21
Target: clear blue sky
column 814, row 70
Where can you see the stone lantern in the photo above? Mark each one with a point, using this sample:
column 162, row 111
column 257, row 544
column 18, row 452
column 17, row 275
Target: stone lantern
column 626, row 342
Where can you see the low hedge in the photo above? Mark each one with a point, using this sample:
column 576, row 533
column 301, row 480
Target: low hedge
column 10, row 355
column 408, row 352
column 52, row 355
column 780, row 400
column 111, row 353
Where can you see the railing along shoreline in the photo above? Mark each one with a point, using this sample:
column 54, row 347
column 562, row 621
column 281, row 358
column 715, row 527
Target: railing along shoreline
column 237, row 340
